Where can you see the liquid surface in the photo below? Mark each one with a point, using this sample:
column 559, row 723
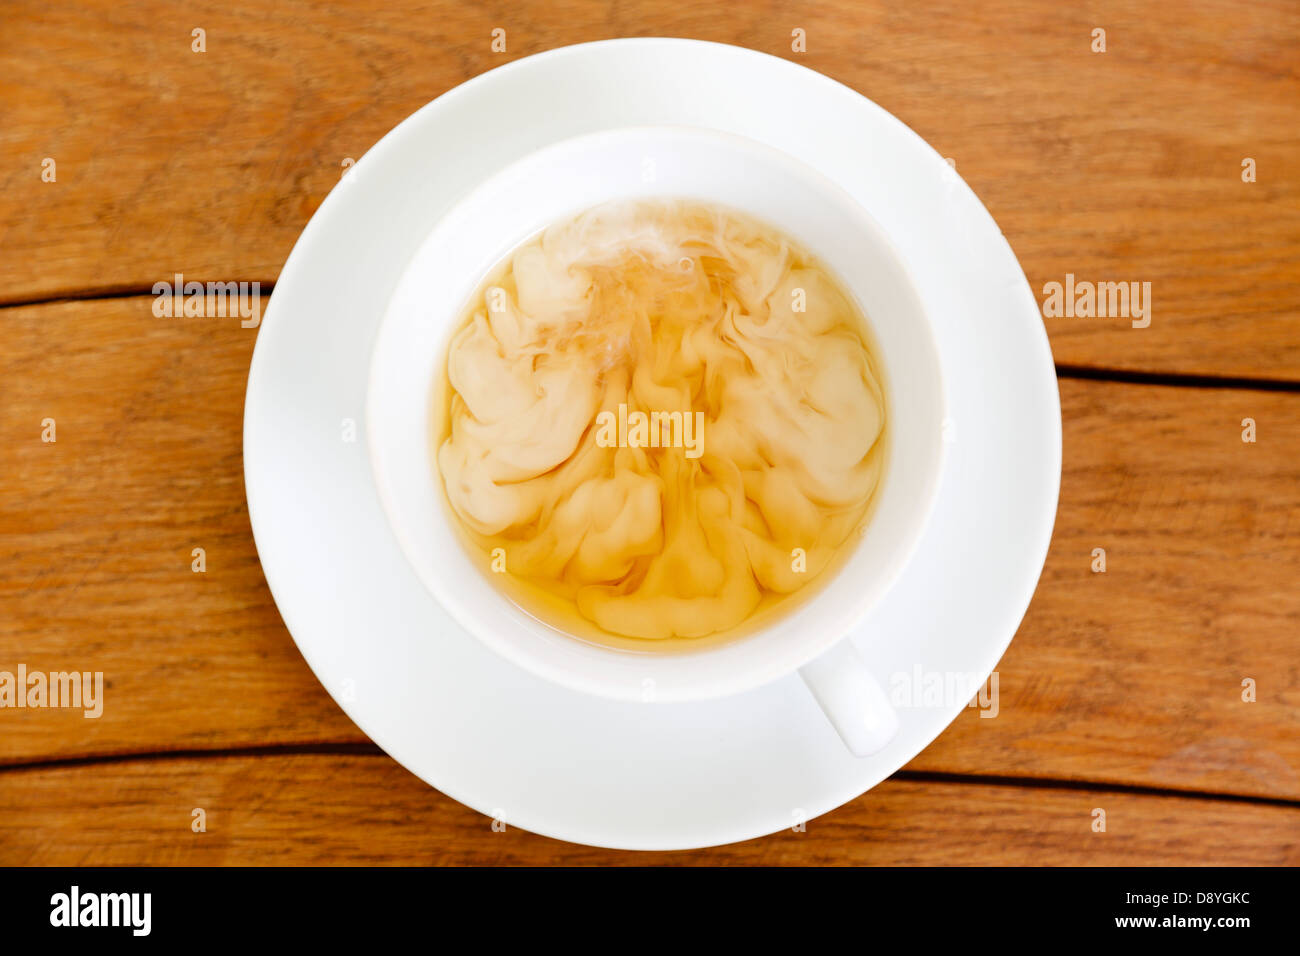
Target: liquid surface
column 659, row 419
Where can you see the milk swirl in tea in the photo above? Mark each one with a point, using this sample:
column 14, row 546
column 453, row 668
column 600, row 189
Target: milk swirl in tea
column 660, row 421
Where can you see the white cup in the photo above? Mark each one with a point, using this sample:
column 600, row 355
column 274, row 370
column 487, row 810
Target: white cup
column 558, row 182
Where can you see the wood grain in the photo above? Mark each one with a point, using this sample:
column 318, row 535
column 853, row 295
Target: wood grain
column 1128, row 677
column 271, row 810
column 1115, row 166
column 97, row 532
column 1135, row 674
column 1122, row 690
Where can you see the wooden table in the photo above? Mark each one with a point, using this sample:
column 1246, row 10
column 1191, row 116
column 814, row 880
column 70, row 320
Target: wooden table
column 1122, row 691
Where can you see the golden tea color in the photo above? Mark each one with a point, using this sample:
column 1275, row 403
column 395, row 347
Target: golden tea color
column 659, row 420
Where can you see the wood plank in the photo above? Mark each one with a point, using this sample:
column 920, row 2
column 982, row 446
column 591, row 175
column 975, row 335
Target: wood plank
column 97, row 532
column 268, row 810
column 1128, row 677
column 1135, row 674
column 1115, row 166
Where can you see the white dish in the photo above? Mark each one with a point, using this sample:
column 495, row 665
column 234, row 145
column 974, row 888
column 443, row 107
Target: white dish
column 501, row 740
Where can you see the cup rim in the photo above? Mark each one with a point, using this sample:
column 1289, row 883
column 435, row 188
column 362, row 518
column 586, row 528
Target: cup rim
column 773, row 667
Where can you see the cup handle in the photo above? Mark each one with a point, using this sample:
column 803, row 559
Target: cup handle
column 851, row 699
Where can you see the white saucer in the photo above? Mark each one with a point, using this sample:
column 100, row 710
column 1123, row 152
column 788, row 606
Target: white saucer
column 583, row 769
